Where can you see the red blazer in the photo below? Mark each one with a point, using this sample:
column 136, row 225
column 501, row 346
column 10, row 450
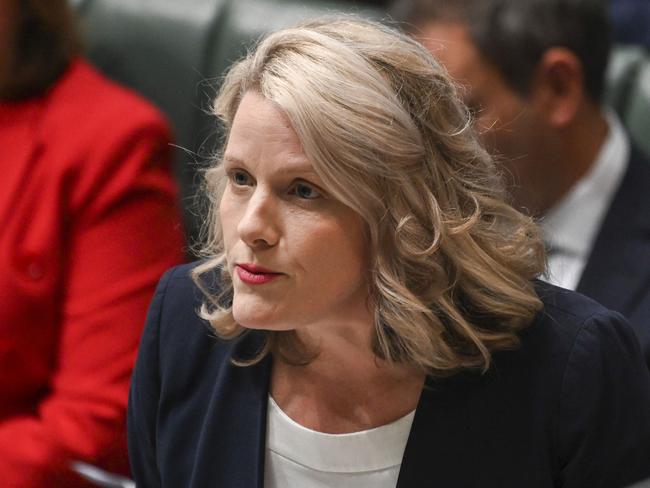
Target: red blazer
column 88, row 224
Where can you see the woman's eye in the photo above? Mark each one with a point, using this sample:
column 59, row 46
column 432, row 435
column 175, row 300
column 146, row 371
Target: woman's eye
column 240, row 178
column 307, row 192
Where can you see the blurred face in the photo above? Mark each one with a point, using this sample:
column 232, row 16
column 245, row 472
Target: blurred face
column 297, row 257
column 508, row 123
column 8, row 17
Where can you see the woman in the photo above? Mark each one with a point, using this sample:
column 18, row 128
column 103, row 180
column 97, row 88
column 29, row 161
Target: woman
column 367, row 314
column 89, row 224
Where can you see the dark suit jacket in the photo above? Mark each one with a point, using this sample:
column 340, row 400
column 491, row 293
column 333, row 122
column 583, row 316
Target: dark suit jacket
column 617, row 274
column 569, row 408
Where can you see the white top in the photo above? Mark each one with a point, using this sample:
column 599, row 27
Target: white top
column 570, row 227
column 298, row 457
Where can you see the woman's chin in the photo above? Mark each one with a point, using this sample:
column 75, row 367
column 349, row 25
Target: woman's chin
column 258, row 320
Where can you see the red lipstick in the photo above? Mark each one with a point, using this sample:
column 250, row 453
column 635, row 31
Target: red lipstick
column 252, row 274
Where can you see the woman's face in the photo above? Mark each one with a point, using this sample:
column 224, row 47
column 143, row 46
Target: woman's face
column 297, row 256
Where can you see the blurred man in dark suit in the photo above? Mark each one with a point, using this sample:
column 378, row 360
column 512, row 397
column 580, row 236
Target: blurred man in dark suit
column 533, row 73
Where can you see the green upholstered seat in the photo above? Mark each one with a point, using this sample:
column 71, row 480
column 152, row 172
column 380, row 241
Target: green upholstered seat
column 173, row 52
column 637, row 115
column 628, row 91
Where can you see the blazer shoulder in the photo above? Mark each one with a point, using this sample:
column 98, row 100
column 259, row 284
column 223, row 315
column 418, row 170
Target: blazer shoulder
column 570, row 320
column 603, row 392
column 179, row 288
column 186, row 340
column 566, row 308
column 189, row 346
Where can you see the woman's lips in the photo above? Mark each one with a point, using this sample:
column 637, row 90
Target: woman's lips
column 255, row 275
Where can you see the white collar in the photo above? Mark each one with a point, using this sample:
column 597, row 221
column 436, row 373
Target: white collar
column 571, row 224
column 367, row 450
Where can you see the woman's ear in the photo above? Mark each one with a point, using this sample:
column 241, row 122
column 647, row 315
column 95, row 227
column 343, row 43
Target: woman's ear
column 557, row 89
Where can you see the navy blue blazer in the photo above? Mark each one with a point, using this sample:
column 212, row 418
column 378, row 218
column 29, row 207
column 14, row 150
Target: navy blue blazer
column 569, row 408
column 617, row 273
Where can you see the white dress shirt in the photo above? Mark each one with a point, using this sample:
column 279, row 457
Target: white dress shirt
column 298, row 457
column 570, row 227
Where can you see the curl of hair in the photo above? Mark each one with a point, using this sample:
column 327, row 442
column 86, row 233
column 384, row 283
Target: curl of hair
column 452, row 263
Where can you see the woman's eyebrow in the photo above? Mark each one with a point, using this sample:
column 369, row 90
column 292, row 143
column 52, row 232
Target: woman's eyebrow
column 298, row 163
column 300, row 169
column 233, row 160
column 297, row 167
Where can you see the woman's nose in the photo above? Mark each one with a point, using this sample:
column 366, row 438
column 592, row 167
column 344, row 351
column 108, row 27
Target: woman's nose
column 258, row 227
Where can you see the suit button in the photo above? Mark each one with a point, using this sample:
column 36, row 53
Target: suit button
column 35, row 270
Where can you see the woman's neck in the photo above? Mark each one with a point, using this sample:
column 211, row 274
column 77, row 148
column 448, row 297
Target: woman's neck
column 346, row 388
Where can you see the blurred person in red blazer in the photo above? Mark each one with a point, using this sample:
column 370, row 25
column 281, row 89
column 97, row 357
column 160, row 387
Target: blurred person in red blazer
column 89, row 223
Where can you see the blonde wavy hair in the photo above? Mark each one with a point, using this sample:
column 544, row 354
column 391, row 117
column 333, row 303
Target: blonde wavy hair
column 381, row 121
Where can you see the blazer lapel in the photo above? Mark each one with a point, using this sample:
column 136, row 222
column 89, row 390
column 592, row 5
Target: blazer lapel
column 618, row 269
column 231, row 452
column 432, row 454
column 418, row 456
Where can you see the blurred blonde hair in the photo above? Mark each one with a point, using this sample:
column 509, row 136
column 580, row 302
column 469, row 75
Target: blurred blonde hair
column 451, row 262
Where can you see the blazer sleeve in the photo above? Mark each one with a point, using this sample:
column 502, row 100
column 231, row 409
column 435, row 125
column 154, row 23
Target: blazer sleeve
column 144, row 395
column 603, row 430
